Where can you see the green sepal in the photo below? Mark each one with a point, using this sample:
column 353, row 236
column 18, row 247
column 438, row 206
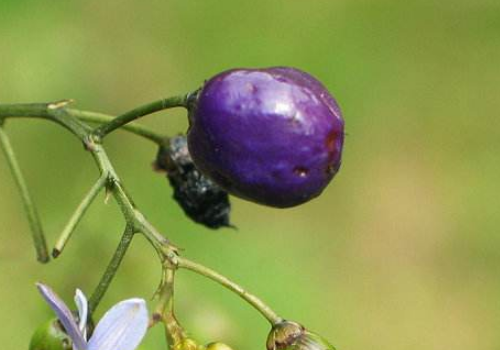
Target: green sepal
column 50, row 336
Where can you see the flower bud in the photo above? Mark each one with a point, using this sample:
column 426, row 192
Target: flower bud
column 288, row 335
column 218, row 346
column 50, row 336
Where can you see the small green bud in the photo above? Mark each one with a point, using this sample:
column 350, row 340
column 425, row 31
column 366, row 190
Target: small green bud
column 218, row 346
column 50, row 336
column 187, row 344
column 284, row 334
column 293, row 336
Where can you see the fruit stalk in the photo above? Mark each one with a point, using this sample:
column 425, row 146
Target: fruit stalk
column 253, row 300
column 149, row 108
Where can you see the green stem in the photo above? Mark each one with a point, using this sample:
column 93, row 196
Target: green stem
column 29, row 206
column 39, row 111
column 134, row 128
column 257, row 303
column 112, row 268
column 165, row 309
column 59, row 112
column 132, row 216
column 175, row 101
column 78, row 215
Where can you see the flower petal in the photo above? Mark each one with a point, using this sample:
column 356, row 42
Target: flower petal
column 122, row 327
column 82, row 305
column 64, row 315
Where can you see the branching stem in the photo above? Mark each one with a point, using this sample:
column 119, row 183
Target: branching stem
column 38, row 111
column 134, row 128
column 165, row 308
column 74, row 121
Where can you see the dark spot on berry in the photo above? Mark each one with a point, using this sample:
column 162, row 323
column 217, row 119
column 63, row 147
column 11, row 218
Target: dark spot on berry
column 301, row 171
column 331, row 142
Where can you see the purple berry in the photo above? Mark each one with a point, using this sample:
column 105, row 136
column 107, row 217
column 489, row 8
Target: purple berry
column 273, row 136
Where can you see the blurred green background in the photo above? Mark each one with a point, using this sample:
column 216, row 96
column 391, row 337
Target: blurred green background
column 400, row 252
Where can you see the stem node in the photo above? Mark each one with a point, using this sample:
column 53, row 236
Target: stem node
column 59, row 104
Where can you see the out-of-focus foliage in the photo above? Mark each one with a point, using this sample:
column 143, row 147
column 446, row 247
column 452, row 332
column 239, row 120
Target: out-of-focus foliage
column 401, row 251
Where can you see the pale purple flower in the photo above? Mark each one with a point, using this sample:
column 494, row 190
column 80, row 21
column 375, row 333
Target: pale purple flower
column 121, row 328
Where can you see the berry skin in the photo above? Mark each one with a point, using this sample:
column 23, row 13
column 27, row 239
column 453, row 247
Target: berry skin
column 273, row 136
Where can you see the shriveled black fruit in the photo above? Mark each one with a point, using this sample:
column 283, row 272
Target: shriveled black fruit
column 201, row 199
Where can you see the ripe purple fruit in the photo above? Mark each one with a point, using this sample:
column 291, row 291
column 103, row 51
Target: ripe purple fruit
column 273, row 136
